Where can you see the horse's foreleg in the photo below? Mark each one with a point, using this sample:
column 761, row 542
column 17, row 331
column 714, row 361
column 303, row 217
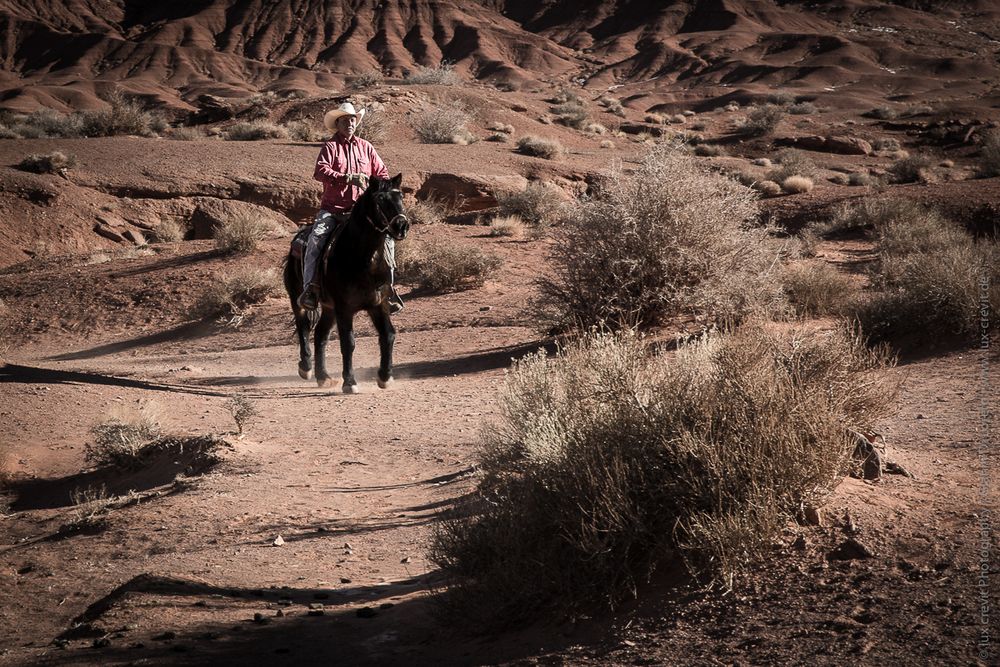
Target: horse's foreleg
column 302, row 326
column 386, row 339
column 345, row 331
column 322, row 336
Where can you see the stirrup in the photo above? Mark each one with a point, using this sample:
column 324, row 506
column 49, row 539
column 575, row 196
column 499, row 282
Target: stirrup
column 309, row 299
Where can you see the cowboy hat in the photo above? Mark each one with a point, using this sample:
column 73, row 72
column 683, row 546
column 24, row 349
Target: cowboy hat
column 345, row 109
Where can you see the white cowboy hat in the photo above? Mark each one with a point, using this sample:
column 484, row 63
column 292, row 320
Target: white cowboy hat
column 345, row 109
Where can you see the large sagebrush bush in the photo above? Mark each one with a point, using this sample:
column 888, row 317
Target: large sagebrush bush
column 669, row 237
column 611, row 459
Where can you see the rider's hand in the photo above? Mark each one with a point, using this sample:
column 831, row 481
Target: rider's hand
column 359, row 180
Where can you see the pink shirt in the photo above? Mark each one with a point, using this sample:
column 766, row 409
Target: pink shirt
column 340, row 157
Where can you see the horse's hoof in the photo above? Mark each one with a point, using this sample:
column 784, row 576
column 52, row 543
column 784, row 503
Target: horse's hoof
column 384, row 384
column 305, row 373
column 350, row 388
column 324, row 383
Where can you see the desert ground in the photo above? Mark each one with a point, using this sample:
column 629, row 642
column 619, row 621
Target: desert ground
column 301, row 536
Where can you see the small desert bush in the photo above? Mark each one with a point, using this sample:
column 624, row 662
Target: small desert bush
column 797, row 184
column 49, row 163
column 507, row 225
column 169, row 231
column 304, row 130
column 498, row 137
column 571, row 114
column 431, row 210
column 780, row 98
column 883, row 113
column 989, row 154
column 761, row 162
column 255, row 130
column 231, row 298
column 868, row 213
column 816, row 288
column 612, row 105
column 762, row 121
column 444, row 266
column 672, row 236
column 839, row 179
column 505, row 128
column 125, row 116
column 859, row 178
column 243, row 411
column 655, row 118
column 767, row 188
column 792, row 163
column 911, row 169
column 887, row 144
column 368, row 79
column 121, row 439
column 549, row 149
column 242, row 233
column 442, row 125
column 566, row 96
column 187, row 134
column 539, row 205
column 607, row 143
column 709, row 150
column 611, row 459
column 803, row 109
column 595, row 128
column 375, row 126
column 443, row 74
column 935, row 282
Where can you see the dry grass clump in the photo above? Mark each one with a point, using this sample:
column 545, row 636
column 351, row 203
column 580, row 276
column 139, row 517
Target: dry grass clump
column 761, row 162
column 442, row 125
column 571, row 114
column 443, row 74
column 498, row 137
column 655, row 118
column 431, row 210
column 609, row 460
column 505, row 128
column 607, row 143
column 242, row 233
column 989, row 154
column 859, row 178
column 803, row 109
column 368, row 79
column 709, row 150
column 187, row 134
column 767, row 188
column 304, row 130
column 442, row 266
column 887, row 144
column 121, row 439
column 911, row 169
column 125, row 116
column 49, row 163
column 507, row 225
column 232, row 297
column 882, row 113
column 793, row 163
column 762, row 121
column 797, row 184
column 243, row 411
column 539, row 205
column 255, row 130
column 550, row 149
column 612, row 106
column 672, row 236
column 169, row 231
column 839, row 179
column 816, row 288
column 934, row 282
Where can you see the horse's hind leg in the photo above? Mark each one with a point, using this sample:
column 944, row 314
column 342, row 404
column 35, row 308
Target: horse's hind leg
column 386, row 340
column 322, row 336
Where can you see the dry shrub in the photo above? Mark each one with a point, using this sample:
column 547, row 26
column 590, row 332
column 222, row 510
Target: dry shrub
column 709, row 150
column 859, row 178
column 368, row 79
column 672, row 236
column 187, row 134
column 431, row 210
column 797, row 184
column 678, row 119
column 305, row 130
column 911, row 169
column 882, row 113
column 507, row 225
column 125, row 116
column 803, row 109
column 839, row 179
column 443, row 74
column 443, row 266
column 571, row 114
column 549, row 149
column 442, row 125
column 887, row 144
column 505, row 128
column 612, row 106
column 375, row 126
column 242, row 233
column 499, row 137
column 255, row 130
column 654, row 118
column 49, row 163
column 793, row 163
column 607, row 143
column 989, row 154
column 609, row 460
column 243, row 411
column 761, row 162
column 595, row 128
column 868, row 213
column 780, row 98
column 817, row 288
column 169, row 231
column 231, row 298
column 767, row 188
column 539, row 205
column 121, row 439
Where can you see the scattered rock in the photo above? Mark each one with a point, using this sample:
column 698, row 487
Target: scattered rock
column 315, row 612
column 260, row 619
column 813, row 516
column 851, row 549
column 893, row 468
column 165, row 636
column 108, row 233
column 406, row 560
column 315, row 605
column 102, row 642
column 345, row 580
column 366, row 612
column 278, row 541
column 135, row 236
column 869, row 457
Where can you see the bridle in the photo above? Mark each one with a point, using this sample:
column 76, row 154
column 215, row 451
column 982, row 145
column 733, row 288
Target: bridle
column 388, row 223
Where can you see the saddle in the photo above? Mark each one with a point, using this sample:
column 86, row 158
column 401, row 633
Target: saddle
column 301, row 238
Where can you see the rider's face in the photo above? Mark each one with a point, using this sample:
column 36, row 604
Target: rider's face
column 346, row 124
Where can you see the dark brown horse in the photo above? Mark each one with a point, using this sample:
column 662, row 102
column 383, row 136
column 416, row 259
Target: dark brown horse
column 356, row 277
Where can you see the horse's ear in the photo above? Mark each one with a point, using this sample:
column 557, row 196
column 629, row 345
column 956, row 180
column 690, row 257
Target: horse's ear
column 374, row 182
column 396, row 180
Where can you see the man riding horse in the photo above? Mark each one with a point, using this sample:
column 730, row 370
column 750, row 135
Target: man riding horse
column 344, row 165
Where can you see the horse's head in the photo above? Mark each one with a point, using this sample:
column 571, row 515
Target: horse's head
column 387, row 200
